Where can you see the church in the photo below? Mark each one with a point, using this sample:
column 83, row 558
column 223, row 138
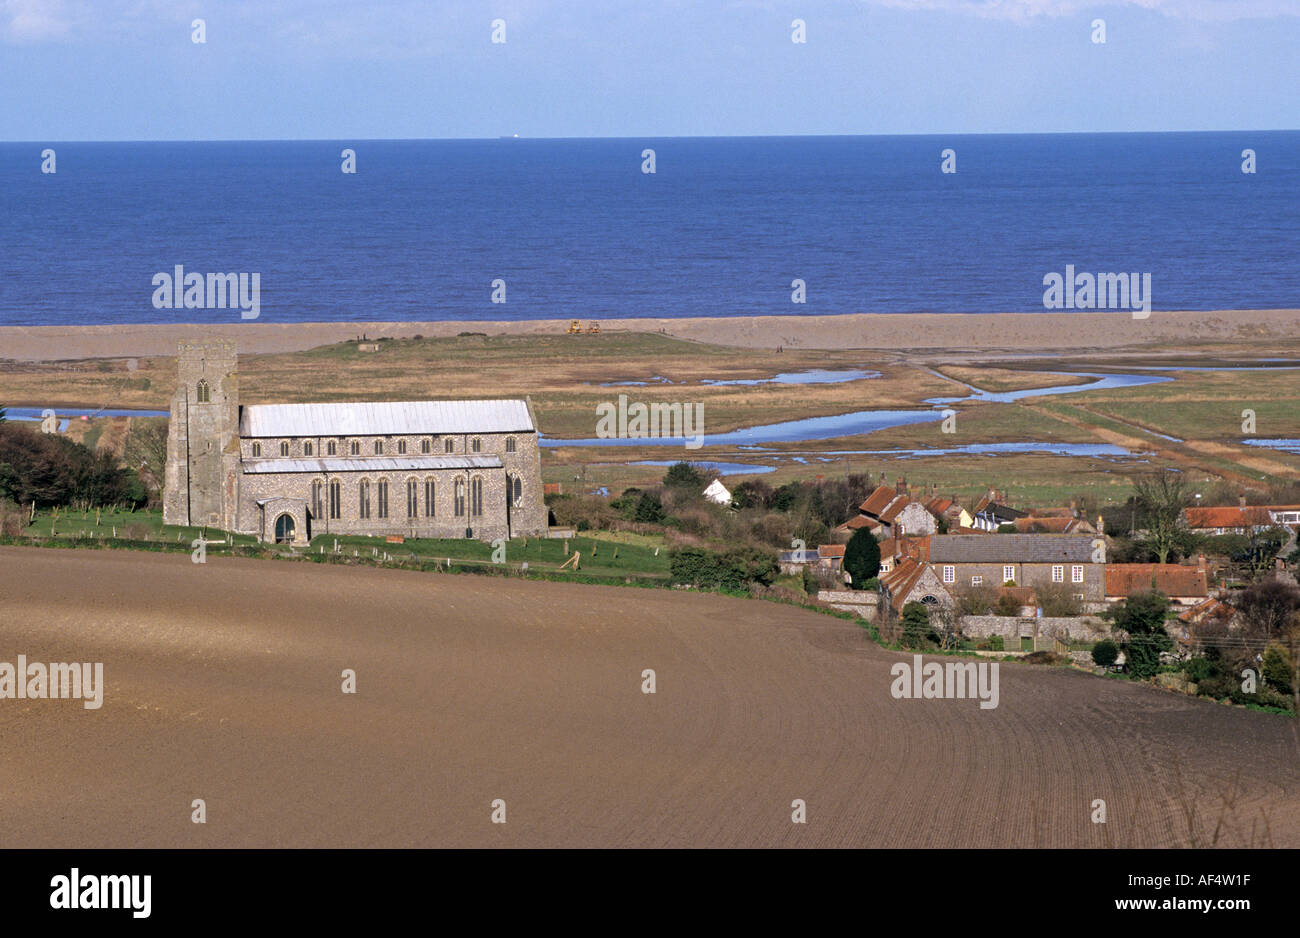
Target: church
column 288, row 473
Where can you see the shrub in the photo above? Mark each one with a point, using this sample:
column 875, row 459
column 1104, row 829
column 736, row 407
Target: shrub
column 1276, row 668
column 735, row 569
column 996, row 643
column 916, row 625
column 1007, row 605
column 862, row 558
column 1105, row 653
column 684, row 475
column 1142, row 617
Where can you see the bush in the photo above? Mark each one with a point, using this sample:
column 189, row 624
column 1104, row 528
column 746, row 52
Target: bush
column 872, row 584
column 1142, row 617
column 916, row 625
column 1276, row 668
column 996, row 643
column 862, row 558
column 649, row 510
column 1105, row 653
column 1007, row 605
column 684, row 475
column 735, row 569
column 1201, row 669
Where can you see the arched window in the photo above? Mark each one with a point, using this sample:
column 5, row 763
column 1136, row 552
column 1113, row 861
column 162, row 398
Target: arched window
column 459, row 500
column 510, row 444
column 356, row 448
column 284, row 447
column 336, row 500
column 412, row 499
column 379, row 447
column 401, row 447
column 476, row 444
column 429, row 500
column 449, row 445
column 476, row 496
column 308, row 449
column 424, row 447
column 257, row 449
column 317, row 488
column 202, row 393
column 515, row 490
column 382, row 499
column 363, row 499
column 331, row 448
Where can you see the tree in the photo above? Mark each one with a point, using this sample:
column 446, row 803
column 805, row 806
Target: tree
column 648, row 509
column 1265, row 609
column 916, row 625
column 1162, row 496
column 683, row 475
column 862, row 558
column 1142, row 618
column 1105, row 653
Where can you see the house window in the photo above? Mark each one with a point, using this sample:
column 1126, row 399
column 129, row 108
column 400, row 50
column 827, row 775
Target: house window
column 412, row 499
column 383, row 498
column 202, row 392
column 424, row 447
column 1058, row 573
column 355, row 449
column 379, row 447
column 284, row 447
column 363, row 499
column 331, row 448
column 316, row 505
column 449, row 445
column 949, row 573
column 459, row 500
column 429, row 493
column 1076, row 573
column 257, row 449
column 308, row 449
column 336, row 500
column 1008, row 573
column 476, row 444
column 476, row 496
column 401, row 447
column 976, row 580
column 510, row 444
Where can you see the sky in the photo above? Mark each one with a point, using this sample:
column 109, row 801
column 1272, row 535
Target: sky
column 380, row 69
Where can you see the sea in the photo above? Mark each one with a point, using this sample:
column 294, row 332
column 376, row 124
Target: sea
column 520, row 229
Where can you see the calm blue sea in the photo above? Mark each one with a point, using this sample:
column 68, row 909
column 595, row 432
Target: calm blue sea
column 575, row 229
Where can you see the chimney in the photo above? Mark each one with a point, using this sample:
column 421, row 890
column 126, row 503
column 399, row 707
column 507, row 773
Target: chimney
column 1241, row 500
column 1101, row 525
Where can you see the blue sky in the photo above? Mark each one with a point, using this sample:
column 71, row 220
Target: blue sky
column 356, row 69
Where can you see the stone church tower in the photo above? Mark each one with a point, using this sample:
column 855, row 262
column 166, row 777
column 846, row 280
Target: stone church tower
column 202, row 475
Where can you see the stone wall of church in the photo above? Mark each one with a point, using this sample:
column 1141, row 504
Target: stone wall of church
column 201, row 433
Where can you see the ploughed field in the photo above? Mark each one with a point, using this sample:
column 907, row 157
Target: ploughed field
column 222, row 682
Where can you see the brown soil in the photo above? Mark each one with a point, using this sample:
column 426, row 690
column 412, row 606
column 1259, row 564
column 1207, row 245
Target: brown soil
column 223, row 683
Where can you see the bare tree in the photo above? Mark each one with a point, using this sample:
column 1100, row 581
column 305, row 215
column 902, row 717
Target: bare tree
column 1162, row 496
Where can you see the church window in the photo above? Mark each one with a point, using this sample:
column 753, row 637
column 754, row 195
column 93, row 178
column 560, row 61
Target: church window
column 476, row 496
column 412, row 499
column 363, row 499
column 356, row 448
column 316, row 504
column 308, row 449
column 510, row 444
column 429, row 501
column 401, row 447
column 449, row 445
column 284, row 447
column 257, row 449
column 516, row 490
column 331, row 448
column 379, row 447
column 336, row 500
column 476, row 444
column 203, row 393
column 382, row 499
column 460, row 498
column 424, row 446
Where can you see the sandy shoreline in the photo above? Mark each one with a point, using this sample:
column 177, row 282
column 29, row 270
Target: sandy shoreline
column 1072, row 332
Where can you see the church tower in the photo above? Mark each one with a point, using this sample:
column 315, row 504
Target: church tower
column 202, row 475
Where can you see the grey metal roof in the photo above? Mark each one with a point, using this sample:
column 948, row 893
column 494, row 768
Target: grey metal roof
column 1010, row 548
column 384, row 418
column 372, row 464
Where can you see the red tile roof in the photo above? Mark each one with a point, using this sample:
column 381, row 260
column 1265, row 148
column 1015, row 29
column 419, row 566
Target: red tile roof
column 1232, row 517
column 878, row 500
column 830, row 550
column 1172, row 579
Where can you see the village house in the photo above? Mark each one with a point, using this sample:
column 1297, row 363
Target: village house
column 991, row 512
column 1075, row 561
column 911, row 580
column 890, row 512
column 1184, row 584
column 1240, row 518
